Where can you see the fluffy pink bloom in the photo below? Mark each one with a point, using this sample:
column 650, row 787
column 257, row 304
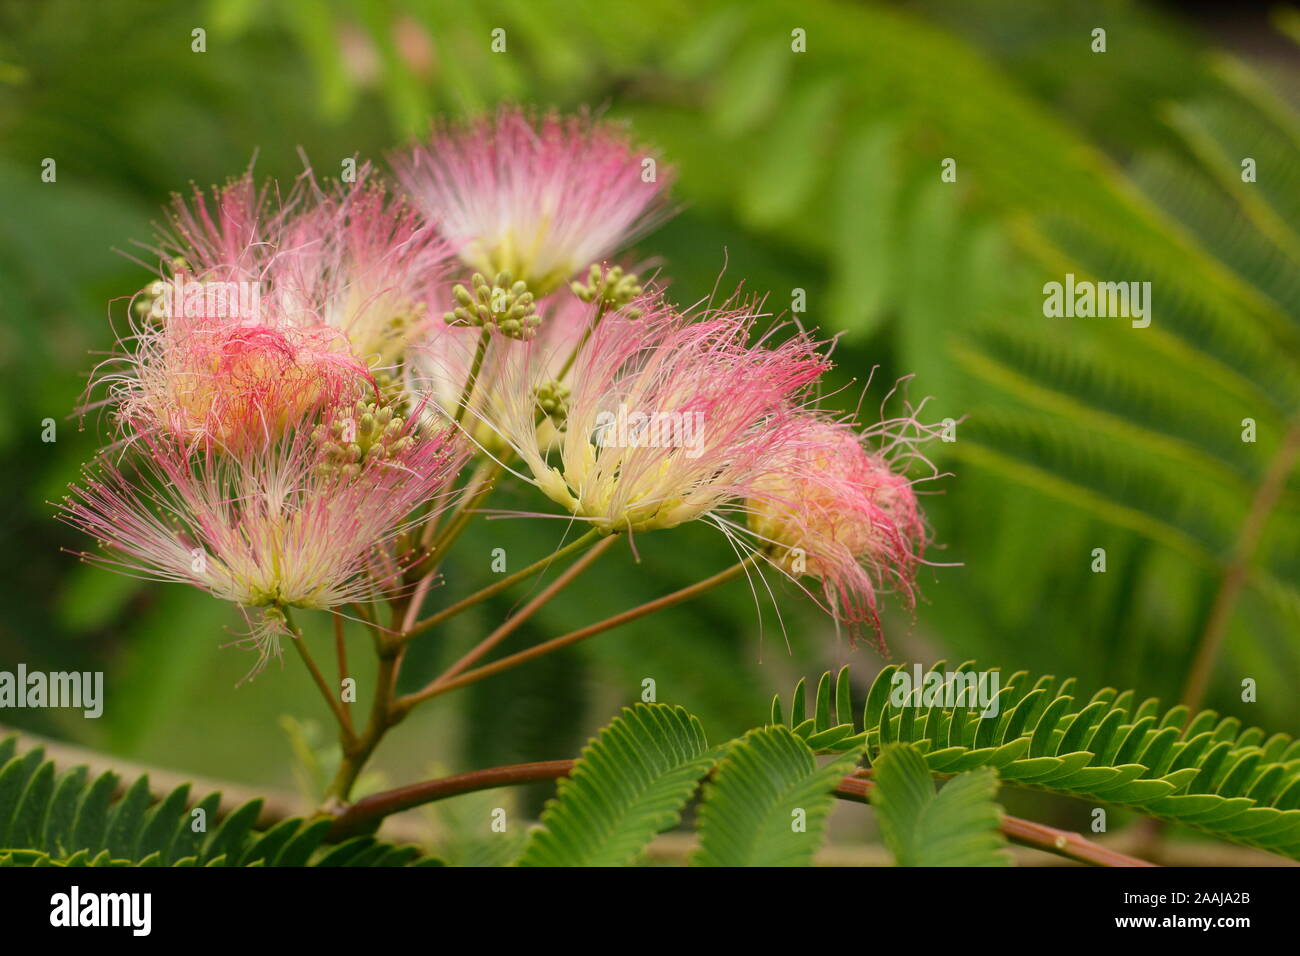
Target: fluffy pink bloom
column 345, row 255
column 305, row 523
column 270, row 309
column 260, row 460
column 538, row 198
column 665, row 419
column 228, row 233
column 840, row 512
column 358, row 261
column 231, row 386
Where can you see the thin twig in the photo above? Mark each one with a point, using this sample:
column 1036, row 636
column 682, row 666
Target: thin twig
column 523, row 657
column 365, row 812
column 513, row 622
column 1024, row 832
column 361, row 815
column 1238, row 568
column 497, row 587
column 480, row 351
column 341, row 653
column 335, row 706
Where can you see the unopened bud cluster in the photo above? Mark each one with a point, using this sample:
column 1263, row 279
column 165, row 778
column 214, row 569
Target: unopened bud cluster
column 151, row 303
column 552, row 399
column 353, row 439
column 508, row 306
column 612, row 288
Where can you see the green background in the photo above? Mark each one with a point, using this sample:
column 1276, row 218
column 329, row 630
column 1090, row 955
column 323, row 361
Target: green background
column 817, row 171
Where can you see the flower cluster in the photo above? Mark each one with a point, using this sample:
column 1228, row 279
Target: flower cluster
column 309, row 373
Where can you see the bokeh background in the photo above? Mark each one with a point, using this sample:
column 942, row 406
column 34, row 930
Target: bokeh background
column 817, row 171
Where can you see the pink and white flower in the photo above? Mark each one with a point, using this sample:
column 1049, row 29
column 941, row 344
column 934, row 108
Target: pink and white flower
column 839, row 511
column 536, row 198
column 229, row 233
column 232, row 387
column 361, row 262
column 304, row 523
column 665, row 418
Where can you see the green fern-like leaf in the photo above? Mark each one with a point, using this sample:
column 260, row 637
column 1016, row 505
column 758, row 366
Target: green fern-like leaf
column 47, row 819
column 1198, row 770
column 958, row 826
column 1143, row 427
column 768, row 802
column 822, row 732
column 631, row 783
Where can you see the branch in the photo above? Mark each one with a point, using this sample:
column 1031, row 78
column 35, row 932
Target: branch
column 367, row 811
column 508, row 626
column 1235, row 574
column 497, row 587
column 1025, row 832
column 523, row 657
column 278, row 805
column 336, row 707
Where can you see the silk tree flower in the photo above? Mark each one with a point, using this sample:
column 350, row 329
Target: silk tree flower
column 230, row 384
column 229, row 233
column 344, row 255
column 303, row 524
column 664, row 418
column 295, row 297
column 361, row 262
column 844, row 514
column 536, row 198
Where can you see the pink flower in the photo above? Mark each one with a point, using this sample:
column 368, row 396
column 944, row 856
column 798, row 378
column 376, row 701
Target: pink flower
column 228, row 234
column 536, row 198
column 841, row 513
column 234, row 387
column 305, row 523
column 664, row 419
column 358, row 261
column 270, row 309
column 345, row 255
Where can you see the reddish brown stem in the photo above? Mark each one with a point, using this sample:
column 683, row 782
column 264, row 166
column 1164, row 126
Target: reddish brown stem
column 509, row 626
column 547, row 647
column 366, row 812
column 1238, row 568
column 331, row 700
column 497, row 587
column 341, row 653
column 1025, row 832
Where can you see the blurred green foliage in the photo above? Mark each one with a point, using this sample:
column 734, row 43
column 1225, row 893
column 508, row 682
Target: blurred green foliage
column 817, row 171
